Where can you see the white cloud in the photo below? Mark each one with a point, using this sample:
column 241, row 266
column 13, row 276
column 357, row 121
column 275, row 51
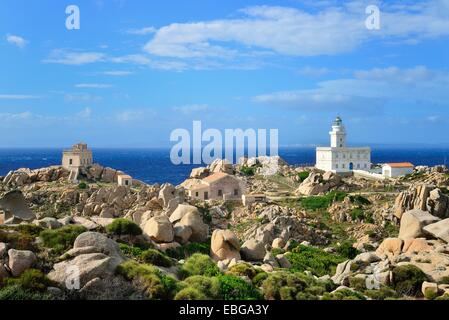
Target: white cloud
column 81, row 97
column 18, row 97
column 289, row 31
column 368, row 88
column 142, row 31
column 61, row 56
column 132, row 58
column 16, row 40
column 93, row 86
column 117, row 73
column 192, row 108
column 131, row 115
column 313, row 72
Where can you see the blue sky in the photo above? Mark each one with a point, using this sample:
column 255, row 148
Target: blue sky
column 136, row 70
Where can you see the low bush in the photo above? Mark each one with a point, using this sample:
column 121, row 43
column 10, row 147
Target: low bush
column 322, row 202
column 155, row 284
column 293, row 286
column 248, row 171
column 131, row 251
column 31, row 285
column 345, row 294
column 383, row 293
column 17, row 240
column 242, row 270
column 199, row 265
column 360, row 200
column 207, row 286
column 62, row 239
column 190, row 293
column 408, row 279
column 303, row 175
column 123, row 227
column 259, row 278
column 317, row 261
column 82, row 185
column 189, row 249
column 157, row 258
column 346, row 249
column 235, row 288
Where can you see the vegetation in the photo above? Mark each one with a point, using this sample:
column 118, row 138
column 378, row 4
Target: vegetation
column 294, row 286
column 154, row 284
column 62, row 239
column 189, row 249
column 243, row 270
column 346, row 249
column 303, row 175
column 248, row 171
column 19, row 237
column 383, row 293
column 208, row 287
column 31, row 285
column 322, row 202
column 82, row 186
column 235, row 288
column 345, row 294
column 157, row 258
column 123, row 227
column 199, row 264
column 317, row 261
column 408, row 280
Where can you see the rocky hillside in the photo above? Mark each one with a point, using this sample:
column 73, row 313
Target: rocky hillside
column 318, row 236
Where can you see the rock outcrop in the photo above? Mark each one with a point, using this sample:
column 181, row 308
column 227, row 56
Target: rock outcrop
column 225, row 245
column 318, row 183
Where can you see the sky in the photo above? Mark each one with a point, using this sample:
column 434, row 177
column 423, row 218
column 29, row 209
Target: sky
column 137, row 70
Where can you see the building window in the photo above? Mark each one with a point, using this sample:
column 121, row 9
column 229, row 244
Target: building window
column 220, row 193
column 206, row 195
column 126, row 183
column 343, row 166
column 336, row 166
column 366, row 166
column 358, row 165
column 70, row 161
column 236, row 192
column 197, row 194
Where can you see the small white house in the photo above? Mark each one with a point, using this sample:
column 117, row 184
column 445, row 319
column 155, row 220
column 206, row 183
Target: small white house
column 124, row 180
column 249, row 199
column 391, row 170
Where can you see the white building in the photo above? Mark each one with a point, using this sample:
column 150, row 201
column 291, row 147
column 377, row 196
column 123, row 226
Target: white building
column 124, row 180
column 391, row 170
column 340, row 158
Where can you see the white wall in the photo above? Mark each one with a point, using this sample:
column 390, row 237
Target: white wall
column 395, row 172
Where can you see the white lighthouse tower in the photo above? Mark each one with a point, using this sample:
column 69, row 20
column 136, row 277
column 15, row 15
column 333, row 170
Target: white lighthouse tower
column 338, row 134
column 340, row 158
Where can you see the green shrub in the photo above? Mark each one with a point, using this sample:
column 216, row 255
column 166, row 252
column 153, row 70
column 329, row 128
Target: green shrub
column 259, row 278
column 242, row 269
column 290, row 286
column 131, row 251
column 31, row 285
column 157, row 258
column 344, row 294
column 322, row 202
column 29, row 229
column 357, row 214
column 444, row 280
column 383, row 293
column 123, row 227
column 188, row 250
column 358, row 284
column 16, row 292
column 303, row 175
column 408, row 279
column 207, row 286
column 199, row 265
column 314, row 260
column 82, row 185
column 248, row 171
column 17, row 240
column 360, row 200
column 155, row 284
column 443, row 297
column 190, row 294
column 235, row 288
column 346, row 249
column 62, row 239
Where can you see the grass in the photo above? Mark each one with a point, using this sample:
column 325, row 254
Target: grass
column 322, row 202
column 123, row 227
column 315, row 260
column 62, row 239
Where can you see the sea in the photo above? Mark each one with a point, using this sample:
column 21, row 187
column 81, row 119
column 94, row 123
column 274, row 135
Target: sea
column 154, row 165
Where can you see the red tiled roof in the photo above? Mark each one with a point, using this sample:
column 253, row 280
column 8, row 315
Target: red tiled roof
column 401, row 165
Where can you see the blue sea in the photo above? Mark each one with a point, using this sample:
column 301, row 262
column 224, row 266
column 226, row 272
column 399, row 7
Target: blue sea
column 154, row 165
